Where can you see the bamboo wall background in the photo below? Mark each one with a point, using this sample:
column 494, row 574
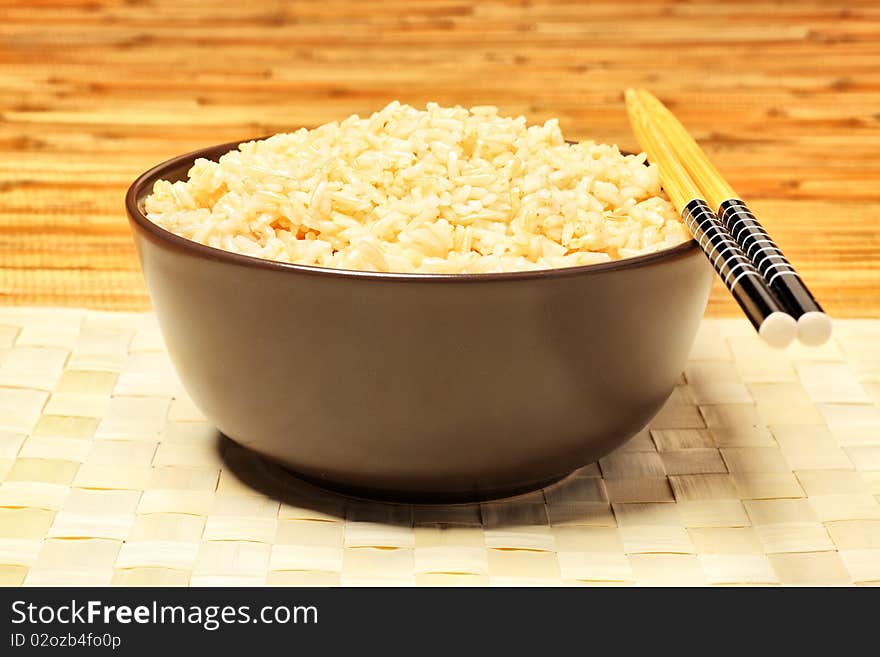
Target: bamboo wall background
column 784, row 97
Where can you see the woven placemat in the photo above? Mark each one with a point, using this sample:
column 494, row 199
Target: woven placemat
column 762, row 468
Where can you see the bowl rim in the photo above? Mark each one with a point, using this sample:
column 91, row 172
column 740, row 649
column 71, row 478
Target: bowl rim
column 143, row 184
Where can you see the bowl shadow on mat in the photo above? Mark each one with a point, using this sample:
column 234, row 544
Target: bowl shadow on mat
column 574, row 500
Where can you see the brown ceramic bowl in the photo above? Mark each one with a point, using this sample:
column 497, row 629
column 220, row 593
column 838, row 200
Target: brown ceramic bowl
column 420, row 387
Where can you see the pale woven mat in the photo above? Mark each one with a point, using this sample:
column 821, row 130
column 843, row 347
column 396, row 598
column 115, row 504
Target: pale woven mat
column 763, row 468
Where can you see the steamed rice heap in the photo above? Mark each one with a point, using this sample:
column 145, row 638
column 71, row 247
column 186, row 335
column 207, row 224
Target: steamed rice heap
column 444, row 190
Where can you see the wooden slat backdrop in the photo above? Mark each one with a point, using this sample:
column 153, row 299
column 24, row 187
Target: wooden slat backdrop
column 92, row 92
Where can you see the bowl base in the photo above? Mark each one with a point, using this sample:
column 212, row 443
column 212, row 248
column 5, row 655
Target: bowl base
column 272, row 477
column 397, row 496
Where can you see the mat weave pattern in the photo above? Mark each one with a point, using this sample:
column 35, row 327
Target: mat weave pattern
column 762, row 468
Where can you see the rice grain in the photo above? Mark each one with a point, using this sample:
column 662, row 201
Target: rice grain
column 440, row 190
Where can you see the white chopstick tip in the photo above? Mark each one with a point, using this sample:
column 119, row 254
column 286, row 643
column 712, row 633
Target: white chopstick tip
column 778, row 330
column 814, row 328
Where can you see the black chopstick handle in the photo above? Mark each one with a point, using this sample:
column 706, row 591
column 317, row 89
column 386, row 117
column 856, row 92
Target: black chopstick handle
column 732, row 265
column 767, row 257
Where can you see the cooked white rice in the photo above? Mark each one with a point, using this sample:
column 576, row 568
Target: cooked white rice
column 441, row 190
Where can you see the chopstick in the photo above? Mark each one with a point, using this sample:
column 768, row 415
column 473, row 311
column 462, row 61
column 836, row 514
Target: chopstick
column 814, row 326
column 744, row 281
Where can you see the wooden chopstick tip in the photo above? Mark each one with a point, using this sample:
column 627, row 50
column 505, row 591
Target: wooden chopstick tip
column 650, row 100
